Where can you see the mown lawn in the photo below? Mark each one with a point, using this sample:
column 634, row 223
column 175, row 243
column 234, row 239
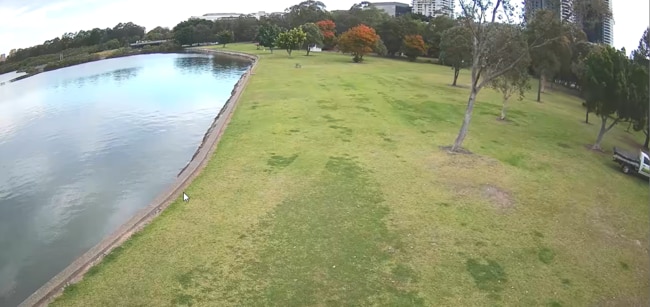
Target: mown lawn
column 329, row 188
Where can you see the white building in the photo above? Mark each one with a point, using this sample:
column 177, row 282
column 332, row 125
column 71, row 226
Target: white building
column 565, row 8
column 434, row 8
column 219, row 16
column 608, row 27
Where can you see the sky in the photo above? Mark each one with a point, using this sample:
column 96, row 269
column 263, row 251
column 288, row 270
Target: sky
column 24, row 23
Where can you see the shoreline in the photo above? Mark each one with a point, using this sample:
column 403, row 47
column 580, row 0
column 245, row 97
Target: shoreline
column 35, row 70
column 75, row 272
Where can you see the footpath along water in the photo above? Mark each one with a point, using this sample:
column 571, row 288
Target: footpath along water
column 85, row 147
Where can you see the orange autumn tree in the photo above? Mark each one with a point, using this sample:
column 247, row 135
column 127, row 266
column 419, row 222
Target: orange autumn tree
column 359, row 41
column 413, row 46
column 328, row 29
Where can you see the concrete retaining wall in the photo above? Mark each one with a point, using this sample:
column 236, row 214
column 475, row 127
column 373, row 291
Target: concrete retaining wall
column 75, row 271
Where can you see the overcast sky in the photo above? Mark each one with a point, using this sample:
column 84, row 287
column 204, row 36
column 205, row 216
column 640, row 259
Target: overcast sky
column 25, row 23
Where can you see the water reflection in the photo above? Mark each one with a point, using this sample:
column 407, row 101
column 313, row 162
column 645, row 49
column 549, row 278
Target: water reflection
column 84, row 147
column 193, row 65
column 118, row 75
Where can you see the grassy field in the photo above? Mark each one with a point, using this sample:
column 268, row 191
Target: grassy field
column 329, row 188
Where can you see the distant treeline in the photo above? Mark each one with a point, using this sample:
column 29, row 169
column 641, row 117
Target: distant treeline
column 86, row 46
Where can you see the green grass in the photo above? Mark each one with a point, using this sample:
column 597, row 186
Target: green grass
column 329, row 188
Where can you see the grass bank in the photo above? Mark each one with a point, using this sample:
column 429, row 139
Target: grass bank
column 329, row 188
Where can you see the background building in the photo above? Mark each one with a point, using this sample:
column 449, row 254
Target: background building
column 220, row 16
column 563, row 10
column 434, row 8
column 602, row 32
column 391, row 8
column 608, row 27
column 2, row 57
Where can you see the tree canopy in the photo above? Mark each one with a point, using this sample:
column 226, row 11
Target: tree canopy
column 456, row 49
column 267, row 35
column 291, row 40
column 358, row 41
column 313, row 36
column 607, row 87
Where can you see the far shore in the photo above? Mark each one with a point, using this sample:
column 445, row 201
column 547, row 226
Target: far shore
column 105, row 56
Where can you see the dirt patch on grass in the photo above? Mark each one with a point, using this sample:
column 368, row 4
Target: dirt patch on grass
column 498, row 197
column 459, row 151
column 475, row 179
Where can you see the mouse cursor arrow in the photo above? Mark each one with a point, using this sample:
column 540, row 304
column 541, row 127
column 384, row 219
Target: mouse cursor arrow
column 185, row 197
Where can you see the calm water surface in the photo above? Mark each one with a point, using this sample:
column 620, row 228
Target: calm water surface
column 85, row 147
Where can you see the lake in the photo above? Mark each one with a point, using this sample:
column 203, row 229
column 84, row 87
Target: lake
column 85, row 147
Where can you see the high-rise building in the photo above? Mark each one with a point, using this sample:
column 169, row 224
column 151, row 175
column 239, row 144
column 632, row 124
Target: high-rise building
column 563, row 9
column 601, row 32
column 608, row 27
column 433, row 8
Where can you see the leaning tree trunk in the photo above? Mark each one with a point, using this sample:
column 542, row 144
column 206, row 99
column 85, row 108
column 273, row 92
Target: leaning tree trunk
column 539, row 88
column 587, row 117
column 468, row 117
column 601, row 133
column 456, row 73
column 503, row 109
column 603, row 129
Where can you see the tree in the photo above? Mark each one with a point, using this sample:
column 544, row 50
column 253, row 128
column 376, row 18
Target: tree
column 489, row 41
column 394, row 30
column 456, row 49
column 291, row 40
column 514, row 81
column 244, row 27
column 279, row 19
column 607, row 88
column 306, row 12
column 413, row 47
column 158, row 33
column 432, row 33
column 641, row 55
column 578, row 47
column 488, row 59
column 192, row 31
column 380, row 48
column 546, row 60
column 345, row 20
column 225, row 37
column 639, row 79
column 370, row 16
column 203, row 33
column 328, row 29
column 359, row 41
column 313, row 36
column 391, row 34
column 267, row 35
